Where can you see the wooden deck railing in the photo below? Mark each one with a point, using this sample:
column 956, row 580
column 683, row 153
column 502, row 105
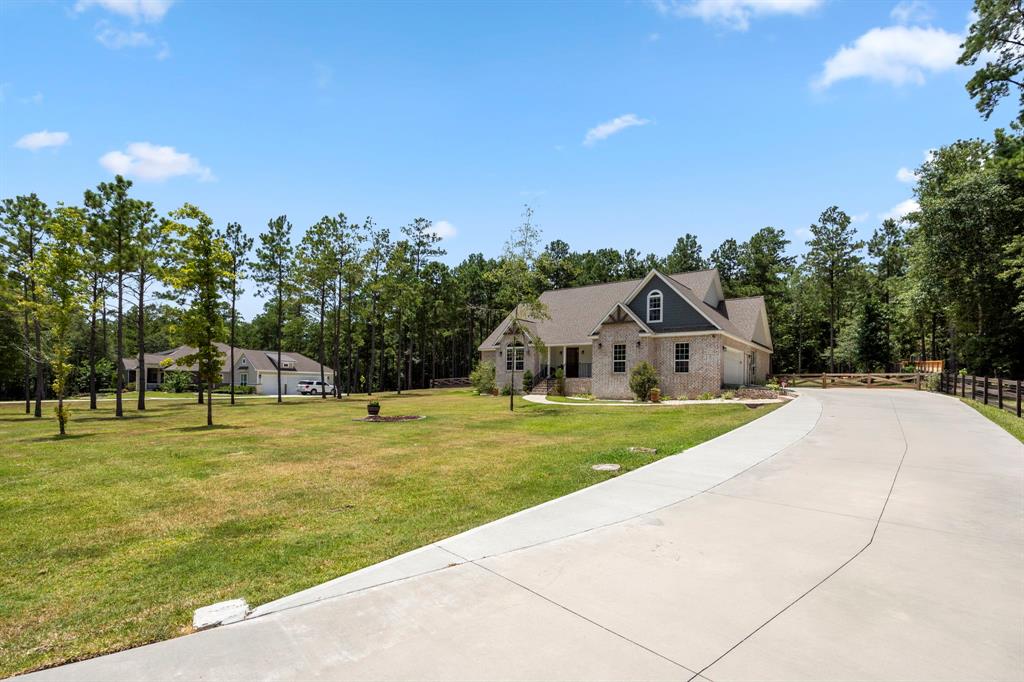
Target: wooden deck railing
column 856, row 380
column 1002, row 393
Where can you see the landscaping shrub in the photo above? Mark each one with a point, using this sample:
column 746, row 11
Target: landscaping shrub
column 129, row 386
column 177, row 382
column 560, row 381
column 706, row 395
column 527, row 381
column 642, row 379
column 728, row 395
column 931, row 382
column 506, row 389
column 482, row 378
column 773, row 384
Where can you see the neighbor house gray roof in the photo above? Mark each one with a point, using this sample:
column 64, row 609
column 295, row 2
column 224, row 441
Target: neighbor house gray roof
column 574, row 312
column 258, row 359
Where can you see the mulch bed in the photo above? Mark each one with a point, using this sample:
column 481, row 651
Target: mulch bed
column 396, row 418
column 756, row 394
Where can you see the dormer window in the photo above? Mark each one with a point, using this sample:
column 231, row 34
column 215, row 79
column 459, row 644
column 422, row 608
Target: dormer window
column 654, row 306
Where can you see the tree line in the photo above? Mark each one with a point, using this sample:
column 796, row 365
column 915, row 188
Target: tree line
column 85, row 286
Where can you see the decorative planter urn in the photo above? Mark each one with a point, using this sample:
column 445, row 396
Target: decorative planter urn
column 372, row 410
column 655, row 395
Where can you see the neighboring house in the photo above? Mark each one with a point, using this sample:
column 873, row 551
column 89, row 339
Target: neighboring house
column 252, row 368
column 697, row 340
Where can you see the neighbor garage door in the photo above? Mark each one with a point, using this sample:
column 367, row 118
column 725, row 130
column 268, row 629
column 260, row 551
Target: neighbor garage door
column 734, row 374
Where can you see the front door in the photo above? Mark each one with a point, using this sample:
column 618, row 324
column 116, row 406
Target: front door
column 572, row 362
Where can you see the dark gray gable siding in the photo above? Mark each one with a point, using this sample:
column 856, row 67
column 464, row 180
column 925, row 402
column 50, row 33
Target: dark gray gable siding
column 677, row 315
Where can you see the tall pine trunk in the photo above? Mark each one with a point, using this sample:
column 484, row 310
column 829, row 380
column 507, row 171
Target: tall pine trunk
column 373, row 346
column 28, row 366
column 323, row 359
column 398, row 354
column 337, row 339
column 92, row 343
column 348, row 342
column 140, row 371
column 234, row 319
column 280, row 324
column 119, row 342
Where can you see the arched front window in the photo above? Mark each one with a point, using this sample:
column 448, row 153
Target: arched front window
column 514, row 357
column 654, row 306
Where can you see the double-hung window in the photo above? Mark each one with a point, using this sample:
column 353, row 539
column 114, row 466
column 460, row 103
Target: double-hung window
column 515, row 358
column 682, row 357
column 654, row 306
column 619, row 358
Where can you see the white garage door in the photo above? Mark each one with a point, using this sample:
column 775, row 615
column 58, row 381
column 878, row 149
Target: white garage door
column 734, row 374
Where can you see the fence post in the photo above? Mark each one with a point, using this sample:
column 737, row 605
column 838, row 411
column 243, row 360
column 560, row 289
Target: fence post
column 963, row 386
column 1018, row 397
column 823, row 384
column 918, row 380
column 984, row 387
column 999, row 386
column 974, row 389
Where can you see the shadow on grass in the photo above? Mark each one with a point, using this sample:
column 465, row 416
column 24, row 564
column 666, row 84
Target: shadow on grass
column 57, row 438
column 204, row 427
column 111, row 417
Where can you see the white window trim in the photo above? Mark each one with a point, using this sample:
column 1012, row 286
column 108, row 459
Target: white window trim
column 625, row 358
column 515, row 355
column 676, row 360
column 661, row 306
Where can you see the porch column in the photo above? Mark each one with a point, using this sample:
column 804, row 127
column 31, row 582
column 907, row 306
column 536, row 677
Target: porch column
column 549, row 362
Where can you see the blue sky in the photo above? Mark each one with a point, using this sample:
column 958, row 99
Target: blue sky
column 623, row 124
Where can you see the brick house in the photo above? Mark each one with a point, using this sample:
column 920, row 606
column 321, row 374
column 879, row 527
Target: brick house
column 696, row 339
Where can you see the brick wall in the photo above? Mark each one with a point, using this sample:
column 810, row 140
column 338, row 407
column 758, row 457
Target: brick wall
column 705, row 362
column 705, row 365
column 604, row 382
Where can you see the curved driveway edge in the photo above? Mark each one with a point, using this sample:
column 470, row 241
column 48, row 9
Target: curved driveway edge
column 884, row 542
column 667, row 481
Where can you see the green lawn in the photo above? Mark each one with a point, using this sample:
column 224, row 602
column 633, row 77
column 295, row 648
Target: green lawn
column 111, row 537
column 1010, row 422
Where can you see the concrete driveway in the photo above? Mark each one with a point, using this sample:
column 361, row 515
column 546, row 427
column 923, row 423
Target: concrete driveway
column 850, row 535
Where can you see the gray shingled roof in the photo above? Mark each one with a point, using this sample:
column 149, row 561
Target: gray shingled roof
column 258, row 359
column 574, row 312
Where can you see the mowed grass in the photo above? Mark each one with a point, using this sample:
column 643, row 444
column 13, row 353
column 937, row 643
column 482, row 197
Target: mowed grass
column 1010, row 422
column 111, row 537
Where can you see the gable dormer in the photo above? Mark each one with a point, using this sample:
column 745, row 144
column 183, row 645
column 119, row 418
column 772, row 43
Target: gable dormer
column 658, row 303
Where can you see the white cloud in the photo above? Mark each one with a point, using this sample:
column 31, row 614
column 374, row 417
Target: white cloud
column 653, row 37
column 904, row 174
column 901, row 209
column 115, row 38
column 609, row 128
column 42, row 139
column 443, row 229
column 152, row 162
column 36, row 98
column 895, row 54
column 734, row 14
column 911, row 12
column 137, row 10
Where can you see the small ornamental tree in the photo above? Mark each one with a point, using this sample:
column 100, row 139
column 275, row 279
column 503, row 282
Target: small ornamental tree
column 642, row 379
column 200, row 273
column 482, row 377
column 61, row 296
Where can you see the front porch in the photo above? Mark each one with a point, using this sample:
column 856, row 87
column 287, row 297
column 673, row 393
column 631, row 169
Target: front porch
column 575, row 360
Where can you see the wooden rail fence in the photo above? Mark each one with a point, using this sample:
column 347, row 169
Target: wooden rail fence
column 1002, row 393
column 880, row 380
column 451, row 382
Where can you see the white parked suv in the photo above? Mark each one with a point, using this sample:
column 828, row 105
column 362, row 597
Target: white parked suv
column 315, row 387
